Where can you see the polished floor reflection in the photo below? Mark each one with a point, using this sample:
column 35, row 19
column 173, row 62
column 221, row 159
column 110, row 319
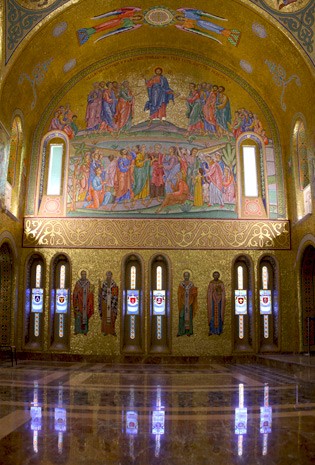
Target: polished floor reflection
column 72, row 413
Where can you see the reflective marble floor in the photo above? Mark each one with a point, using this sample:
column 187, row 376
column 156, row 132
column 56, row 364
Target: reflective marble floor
column 100, row 414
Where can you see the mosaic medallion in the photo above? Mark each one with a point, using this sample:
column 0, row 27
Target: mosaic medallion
column 158, row 16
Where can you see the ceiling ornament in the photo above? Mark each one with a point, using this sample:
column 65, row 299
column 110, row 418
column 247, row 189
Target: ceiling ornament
column 246, row 66
column 69, row 65
column 37, row 78
column 280, row 79
column 185, row 19
column 21, row 16
column 298, row 17
column 259, row 30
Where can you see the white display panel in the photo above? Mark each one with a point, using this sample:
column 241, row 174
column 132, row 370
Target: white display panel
column 131, row 422
column 240, row 302
column 36, row 418
column 265, row 419
column 158, row 422
column 37, row 300
column 159, row 302
column 265, row 302
column 241, row 420
column 132, row 302
column 60, row 419
column 61, row 300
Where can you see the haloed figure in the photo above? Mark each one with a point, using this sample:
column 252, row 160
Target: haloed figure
column 187, row 305
column 83, row 304
column 216, row 304
column 108, row 304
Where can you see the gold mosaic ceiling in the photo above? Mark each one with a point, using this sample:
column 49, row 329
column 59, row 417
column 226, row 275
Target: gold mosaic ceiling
column 50, row 56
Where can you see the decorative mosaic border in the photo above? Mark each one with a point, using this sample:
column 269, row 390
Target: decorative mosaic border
column 299, row 23
column 19, row 21
column 156, row 234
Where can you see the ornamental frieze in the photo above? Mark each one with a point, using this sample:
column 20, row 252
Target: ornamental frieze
column 187, row 234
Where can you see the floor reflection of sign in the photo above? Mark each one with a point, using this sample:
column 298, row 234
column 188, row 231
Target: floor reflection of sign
column 265, row 419
column 265, row 302
column 132, row 302
column 61, row 300
column 131, row 422
column 158, row 419
column 240, row 302
column 60, row 419
column 240, row 420
column 37, row 300
column 36, row 418
column 158, row 302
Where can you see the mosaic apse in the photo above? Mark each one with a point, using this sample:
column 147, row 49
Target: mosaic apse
column 148, row 140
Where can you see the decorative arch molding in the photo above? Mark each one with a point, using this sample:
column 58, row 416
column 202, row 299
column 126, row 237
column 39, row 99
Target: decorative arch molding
column 308, row 239
column 20, row 22
column 4, row 160
column 142, row 53
column 304, row 195
column 6, row 236
column 18, row 114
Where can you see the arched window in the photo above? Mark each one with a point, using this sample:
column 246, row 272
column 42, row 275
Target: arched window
column 34, row 302
column 253, row 198
column 53, row 175
column 268, row 304
column 303, row 195
column 59, row 318
column 243, row 320
column 16, row 175
column 160, row 318
column 132, row 305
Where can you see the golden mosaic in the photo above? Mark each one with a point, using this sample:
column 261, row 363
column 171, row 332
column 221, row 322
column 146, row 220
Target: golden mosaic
column 146, row 234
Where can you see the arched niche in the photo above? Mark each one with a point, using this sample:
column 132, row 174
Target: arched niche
column 132, row 321
column 252, row 179
column 59, row 309
column 243, row 308
column 52, row 177
column 159, row 322
column 303, row 195
column 269, row 314
column 6, row 292
column 34, row 303
column 16, row 170
column 308, row 298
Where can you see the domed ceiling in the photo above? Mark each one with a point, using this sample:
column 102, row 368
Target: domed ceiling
column 50, row 44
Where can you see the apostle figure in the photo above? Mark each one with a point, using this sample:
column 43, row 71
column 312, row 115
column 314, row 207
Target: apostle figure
column 108, row 304
column 187, row 305
column 83, row 304
column 216, row 304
